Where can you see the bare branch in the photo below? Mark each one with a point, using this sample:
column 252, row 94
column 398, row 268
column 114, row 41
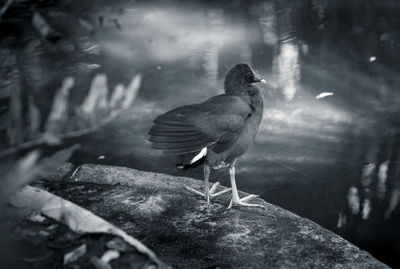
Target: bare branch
column 59, row 111
column 131, row 91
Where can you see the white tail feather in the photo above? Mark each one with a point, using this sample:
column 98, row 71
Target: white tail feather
column 201, row 154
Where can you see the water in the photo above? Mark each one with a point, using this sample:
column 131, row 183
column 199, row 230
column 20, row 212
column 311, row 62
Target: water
column 333, row 159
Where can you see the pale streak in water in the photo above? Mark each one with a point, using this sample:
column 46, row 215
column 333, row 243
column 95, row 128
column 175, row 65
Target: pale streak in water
column 367, row 174
column 288, row 70
column 216, row 24
column 394, row 201
column 353, row 200
column 382, row 176
column 267, row 23
column 342, row 220
column 366, row 208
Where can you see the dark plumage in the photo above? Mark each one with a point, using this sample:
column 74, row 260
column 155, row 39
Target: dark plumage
column 225, row 125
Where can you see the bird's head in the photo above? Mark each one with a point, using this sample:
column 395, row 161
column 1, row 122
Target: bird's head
column 240, row 75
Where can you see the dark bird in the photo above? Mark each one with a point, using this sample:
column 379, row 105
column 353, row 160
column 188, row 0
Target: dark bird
column 221, row 129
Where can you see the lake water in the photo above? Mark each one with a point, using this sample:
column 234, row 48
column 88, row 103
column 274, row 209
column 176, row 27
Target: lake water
column 328, row 146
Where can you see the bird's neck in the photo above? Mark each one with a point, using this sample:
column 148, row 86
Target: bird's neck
column 235, row 87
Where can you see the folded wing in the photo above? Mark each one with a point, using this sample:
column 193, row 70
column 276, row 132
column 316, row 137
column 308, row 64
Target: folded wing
column 217, row 122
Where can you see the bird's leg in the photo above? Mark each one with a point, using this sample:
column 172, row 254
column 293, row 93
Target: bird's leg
column 208, row 193
column 236, row 200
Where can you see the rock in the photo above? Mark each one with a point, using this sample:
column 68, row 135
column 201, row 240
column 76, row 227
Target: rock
column 61, row 172
column 187, row 233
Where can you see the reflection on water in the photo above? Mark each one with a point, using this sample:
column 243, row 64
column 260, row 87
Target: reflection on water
column 371, row 215
column 286, row 61
column 328, row 146
column 288, row 69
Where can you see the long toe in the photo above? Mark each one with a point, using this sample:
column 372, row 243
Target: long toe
column 195, row 191
column 242, row 202
column 220, row 192
column 212, row 191
column 249, row 197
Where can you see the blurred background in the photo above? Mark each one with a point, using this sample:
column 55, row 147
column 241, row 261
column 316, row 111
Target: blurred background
column 328, row 146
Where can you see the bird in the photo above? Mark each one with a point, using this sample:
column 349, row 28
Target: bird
column 218, row 130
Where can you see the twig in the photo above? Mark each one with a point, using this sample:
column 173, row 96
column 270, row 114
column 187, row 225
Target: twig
column 42, row 139
column 88, row 130
column 22, row 146
column 5, row 8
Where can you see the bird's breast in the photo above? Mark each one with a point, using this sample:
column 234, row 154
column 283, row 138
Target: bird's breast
column 242, row 143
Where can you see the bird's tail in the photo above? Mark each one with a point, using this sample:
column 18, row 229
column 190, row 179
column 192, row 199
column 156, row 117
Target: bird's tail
column 186, row 166
column 196, row 161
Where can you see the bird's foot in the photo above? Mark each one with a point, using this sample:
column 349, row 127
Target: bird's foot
column 242, row 201
column 211, row 192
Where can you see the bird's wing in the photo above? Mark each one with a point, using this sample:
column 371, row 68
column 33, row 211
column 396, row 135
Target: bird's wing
column 218, row 121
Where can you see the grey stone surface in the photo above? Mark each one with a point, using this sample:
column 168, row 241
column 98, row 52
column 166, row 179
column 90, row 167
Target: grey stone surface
column 61, row 172
column 187, row 233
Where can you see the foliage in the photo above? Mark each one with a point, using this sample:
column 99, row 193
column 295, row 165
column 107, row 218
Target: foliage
column 63, row 121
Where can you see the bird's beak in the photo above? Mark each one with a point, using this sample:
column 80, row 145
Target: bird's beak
column 261, row 80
